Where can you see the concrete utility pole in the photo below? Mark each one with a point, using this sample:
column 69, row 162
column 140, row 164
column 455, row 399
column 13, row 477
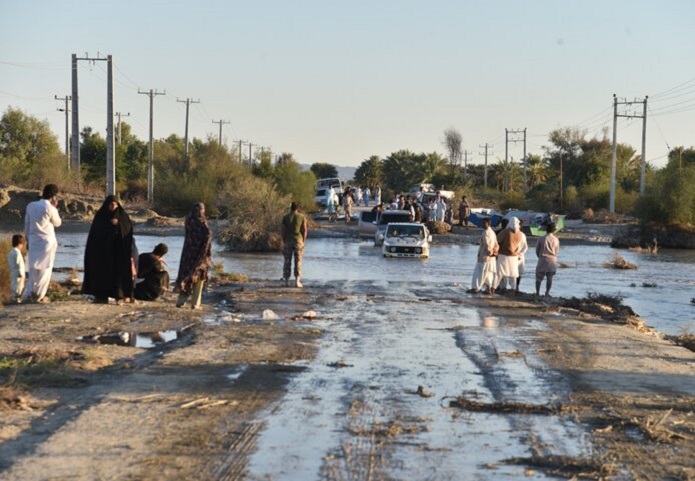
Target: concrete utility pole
column 150, row 162
column 465, row 164
column 221, row 122
column 506, row 154
column 251, row 153
column 67, row 137
column 241, row 143
column 110, row 147
column 485, row 154
column 75, row 146
column 119, row 138
column 643, row 182
column 188, row 103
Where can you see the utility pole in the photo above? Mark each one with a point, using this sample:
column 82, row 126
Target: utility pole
column 188, row 103
column 485, row 154
column 221, row 122
column 465, row 164
column 241, row 143
column 67, row 137
column 629, row 115
column 250, row 153
column 506, row 154
column 119, row 115
column 150, row 162
column 110, row 147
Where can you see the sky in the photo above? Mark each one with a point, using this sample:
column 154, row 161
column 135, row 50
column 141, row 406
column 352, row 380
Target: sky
column 339, row 81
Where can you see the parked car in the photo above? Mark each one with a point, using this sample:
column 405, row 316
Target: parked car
column 366, row 224
column 406, row 239
column 385, row 218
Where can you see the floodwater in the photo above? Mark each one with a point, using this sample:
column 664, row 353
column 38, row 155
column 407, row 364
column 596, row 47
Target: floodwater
column 666, row 307
column 331, row 423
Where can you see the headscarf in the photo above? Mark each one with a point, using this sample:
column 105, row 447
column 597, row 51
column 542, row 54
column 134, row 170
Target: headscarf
column 108, row 253
column 513, row 224
column 196, row 256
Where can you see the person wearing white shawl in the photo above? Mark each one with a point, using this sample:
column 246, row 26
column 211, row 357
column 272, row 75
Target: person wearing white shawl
column 485, row 267
column 509, row 240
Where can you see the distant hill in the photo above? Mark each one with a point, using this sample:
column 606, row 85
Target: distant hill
column 345, row 173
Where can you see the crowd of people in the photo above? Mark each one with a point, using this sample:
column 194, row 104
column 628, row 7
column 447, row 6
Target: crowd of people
column 501, row 258
column 113, row 269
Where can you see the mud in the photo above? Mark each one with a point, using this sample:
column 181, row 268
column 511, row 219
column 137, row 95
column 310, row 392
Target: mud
column 352, row 379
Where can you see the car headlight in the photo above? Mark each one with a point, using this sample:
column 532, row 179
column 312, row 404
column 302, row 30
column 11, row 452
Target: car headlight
column 392, row 249
column 418, row 250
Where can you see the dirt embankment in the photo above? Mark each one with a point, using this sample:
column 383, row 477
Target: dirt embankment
column 645, row 235
column 78, row 209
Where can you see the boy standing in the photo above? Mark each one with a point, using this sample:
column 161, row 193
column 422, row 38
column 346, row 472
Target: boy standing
column 15, row 260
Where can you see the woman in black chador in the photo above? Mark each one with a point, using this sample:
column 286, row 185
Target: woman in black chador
column 109, row 265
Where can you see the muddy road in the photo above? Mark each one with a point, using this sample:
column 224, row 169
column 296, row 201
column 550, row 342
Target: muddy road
column 383, row 380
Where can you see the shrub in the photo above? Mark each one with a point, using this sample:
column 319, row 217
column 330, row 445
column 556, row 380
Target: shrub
column 253, row 209
column 671, row 199
column 513, row 200
column 5, row 247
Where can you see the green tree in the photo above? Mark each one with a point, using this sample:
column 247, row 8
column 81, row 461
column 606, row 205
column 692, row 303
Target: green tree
column 292, row 181
column 27, row 149
column 537, row 170
column 430, row 166
column 323, row 170
column 370, row 172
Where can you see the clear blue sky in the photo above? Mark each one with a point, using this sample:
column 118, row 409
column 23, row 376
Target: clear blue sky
column 338, row 81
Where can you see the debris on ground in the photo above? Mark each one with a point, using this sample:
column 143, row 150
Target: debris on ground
column 567, row 466
column 269, row 315
column 507, row 407
column 619, row 262
column 339, row 364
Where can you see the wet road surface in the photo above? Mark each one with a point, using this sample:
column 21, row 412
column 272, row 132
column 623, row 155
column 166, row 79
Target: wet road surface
column 355, row 413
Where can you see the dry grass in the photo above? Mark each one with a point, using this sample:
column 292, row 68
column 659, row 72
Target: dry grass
column 5, row 247
column 40, row 367
column 619, row 262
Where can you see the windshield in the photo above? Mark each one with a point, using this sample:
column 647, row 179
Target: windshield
column 386, row 218
column 406, row 230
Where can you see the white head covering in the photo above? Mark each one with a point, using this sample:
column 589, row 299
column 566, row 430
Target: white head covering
column 513, row 224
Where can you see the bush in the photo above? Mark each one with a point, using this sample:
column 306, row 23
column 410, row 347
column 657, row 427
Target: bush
column 513, row 200
column 254, row 210
column 671, row 199
column 5, row 247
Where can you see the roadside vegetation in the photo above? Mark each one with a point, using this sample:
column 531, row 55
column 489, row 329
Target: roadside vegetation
column 251, row 193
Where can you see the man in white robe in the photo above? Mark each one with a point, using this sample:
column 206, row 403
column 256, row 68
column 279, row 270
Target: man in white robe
column 40, row 220
column 486, row 265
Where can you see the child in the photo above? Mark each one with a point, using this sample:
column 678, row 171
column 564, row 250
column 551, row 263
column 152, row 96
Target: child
column 15, row 259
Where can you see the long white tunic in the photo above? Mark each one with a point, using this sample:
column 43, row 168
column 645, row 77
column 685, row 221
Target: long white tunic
column 522, row 254
column 40, row 221
column 485, row 267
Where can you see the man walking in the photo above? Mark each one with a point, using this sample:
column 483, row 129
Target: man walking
column 294, row 231
column 40, row 220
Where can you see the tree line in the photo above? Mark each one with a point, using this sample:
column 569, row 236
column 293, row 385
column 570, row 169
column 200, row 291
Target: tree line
column 571, row 173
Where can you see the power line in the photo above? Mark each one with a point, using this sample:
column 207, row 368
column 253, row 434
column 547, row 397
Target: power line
column 672, row 89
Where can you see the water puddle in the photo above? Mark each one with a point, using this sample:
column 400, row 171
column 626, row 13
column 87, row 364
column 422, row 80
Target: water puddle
column 145, row 340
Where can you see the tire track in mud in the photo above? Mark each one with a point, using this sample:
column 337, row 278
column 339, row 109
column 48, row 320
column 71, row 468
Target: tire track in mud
column 391, row 340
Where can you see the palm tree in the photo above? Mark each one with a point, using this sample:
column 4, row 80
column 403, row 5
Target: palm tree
column 537, row 170
column 431, row 165
column 370, row 172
